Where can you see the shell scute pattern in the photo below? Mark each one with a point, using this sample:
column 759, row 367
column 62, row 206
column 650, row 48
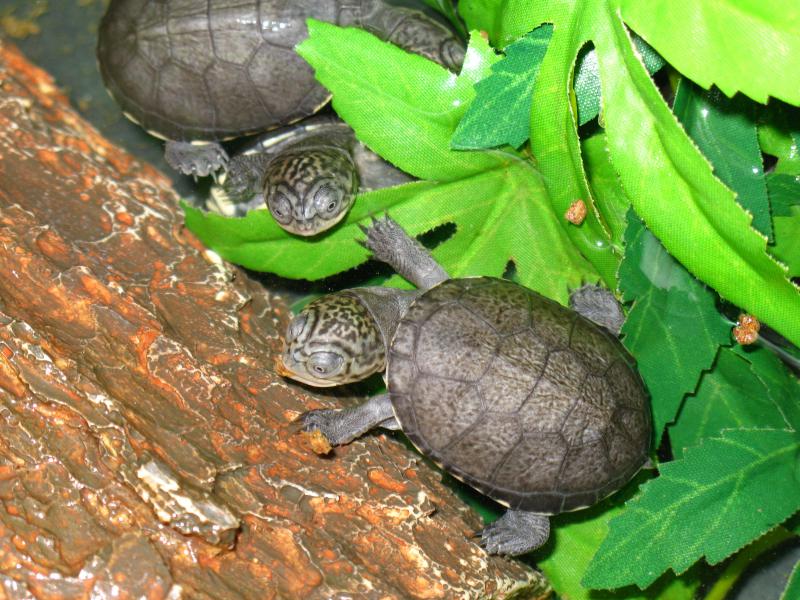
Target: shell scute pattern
column 189, row 70
column 623, row 382
column 583, row 467
column 487, row 441
column 506, row 309
column 455, row 344
column 523, row 399
column 456, row 402
column 543, row 452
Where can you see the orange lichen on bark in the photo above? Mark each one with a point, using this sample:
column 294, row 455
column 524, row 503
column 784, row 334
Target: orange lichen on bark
column 380, row 478
column 146, row 440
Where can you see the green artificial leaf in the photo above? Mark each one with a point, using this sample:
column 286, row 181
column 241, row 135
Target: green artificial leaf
column 779, row 136
column 668, row 181
column 725, row 131
column 496, row 199
column 782, row 386
column 673, row 328
column 499, row 113
column 792, row 590
column 517, row 223
column 587, row 77
column 720, row 496
column 448, row 9
column 574, row 540
column 684, row 205
column 612, row 202
column 737, row 45
column 784, row 195
column 787, row 242
column 731, row 396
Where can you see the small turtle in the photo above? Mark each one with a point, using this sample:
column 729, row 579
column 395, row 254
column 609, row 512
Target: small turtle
column 196, row 73
column 529, row 402
column 307, row 175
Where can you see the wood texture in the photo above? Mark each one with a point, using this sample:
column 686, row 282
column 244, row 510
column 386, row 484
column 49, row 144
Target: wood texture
column 146, row 443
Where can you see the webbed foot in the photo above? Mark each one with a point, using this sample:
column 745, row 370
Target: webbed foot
column 342, row 425
column 389, row 243
column 516, row 532
column 195, row 159
column 330, row 423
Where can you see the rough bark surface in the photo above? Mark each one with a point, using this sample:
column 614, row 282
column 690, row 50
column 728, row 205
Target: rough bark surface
column 146, row 443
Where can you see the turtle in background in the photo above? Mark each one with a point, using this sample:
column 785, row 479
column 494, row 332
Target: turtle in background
column 536, row 405
column 306, row 174
column 197, row 73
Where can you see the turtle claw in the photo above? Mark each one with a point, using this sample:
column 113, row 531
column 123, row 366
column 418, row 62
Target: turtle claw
column 516, row 532
column 325, row 420
column 381, row 237
column 197, row 160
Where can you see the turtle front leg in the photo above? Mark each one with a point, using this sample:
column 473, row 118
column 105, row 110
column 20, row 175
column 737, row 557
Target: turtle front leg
column 599, row 306
column 389, row 243
column 516, row 532
column 342, row 425
column 199, row 159
column 241, row 189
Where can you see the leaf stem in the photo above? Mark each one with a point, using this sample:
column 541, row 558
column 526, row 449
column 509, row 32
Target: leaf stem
column 743, row 560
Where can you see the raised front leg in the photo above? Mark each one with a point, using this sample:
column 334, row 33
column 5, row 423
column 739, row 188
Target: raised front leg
column 199, row 159
column 390, row 244
column 516, row 532
column 342, row 425
column 241, row 189
column 599, row 306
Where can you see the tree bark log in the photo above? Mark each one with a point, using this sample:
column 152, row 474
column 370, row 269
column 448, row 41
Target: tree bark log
column 146, row 443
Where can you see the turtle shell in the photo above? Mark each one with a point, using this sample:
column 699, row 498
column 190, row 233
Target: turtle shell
column 518, row 396
column 189, row 70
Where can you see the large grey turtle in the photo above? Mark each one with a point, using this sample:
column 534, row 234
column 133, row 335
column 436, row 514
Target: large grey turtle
column 196, row 72
column 527, row 401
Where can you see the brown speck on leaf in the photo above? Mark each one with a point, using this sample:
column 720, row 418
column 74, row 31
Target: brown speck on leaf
column 746, row 330
column 576, row 212
column 484, row 34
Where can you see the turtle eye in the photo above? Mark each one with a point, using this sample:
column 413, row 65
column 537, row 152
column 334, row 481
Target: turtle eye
column 296, row 327
column 280, row 207
column 327, row 200
column 325, row 364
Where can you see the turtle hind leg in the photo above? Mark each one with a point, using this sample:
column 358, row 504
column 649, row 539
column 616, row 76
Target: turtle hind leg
column 342, row 425
column 516, row 532
column 389, row 243
column 599, row 306
column 199, row 159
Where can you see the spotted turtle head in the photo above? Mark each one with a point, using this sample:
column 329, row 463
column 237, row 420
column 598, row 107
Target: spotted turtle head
column 334, row 340
column 310, row 190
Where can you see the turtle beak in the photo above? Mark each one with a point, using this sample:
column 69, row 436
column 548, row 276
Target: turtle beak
column 280, row 367
column 283, row 370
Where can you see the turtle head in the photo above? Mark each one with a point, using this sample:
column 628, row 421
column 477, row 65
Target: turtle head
column 310, row 190
column 334, row 340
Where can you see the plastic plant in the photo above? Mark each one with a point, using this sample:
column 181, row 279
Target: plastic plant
column 659, row 116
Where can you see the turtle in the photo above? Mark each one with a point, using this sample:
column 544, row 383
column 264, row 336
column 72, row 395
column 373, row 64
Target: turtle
column 196, row 73
column 306, row 174
column 534, row 404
